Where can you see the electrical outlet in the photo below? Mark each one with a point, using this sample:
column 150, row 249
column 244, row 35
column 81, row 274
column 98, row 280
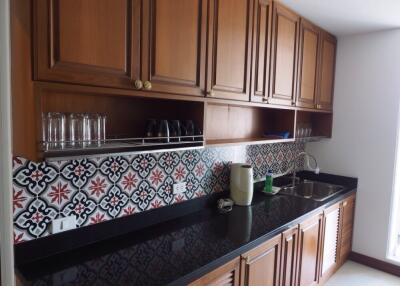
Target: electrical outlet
column 63, row 224
column 179, row 188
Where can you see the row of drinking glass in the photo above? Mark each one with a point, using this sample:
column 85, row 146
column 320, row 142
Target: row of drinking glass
column 61, row 130
column 172, row 130
column 303, row 130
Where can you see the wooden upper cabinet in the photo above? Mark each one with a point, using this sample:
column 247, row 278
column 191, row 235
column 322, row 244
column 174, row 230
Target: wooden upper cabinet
column 327, row 71
column 88, row 42
column 261, row 50
column 309, row 251
column 174, row 45
column 284, row 53
column 226, row 275
column 261, row 265
column 308, row 64
column 290, row 243
column 229, row 49
column 347, row 221
column 331, row 241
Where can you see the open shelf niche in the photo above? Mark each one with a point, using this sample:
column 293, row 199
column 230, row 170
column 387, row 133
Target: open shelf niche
column 319, row 122
column 227, row 124
column 126, row 119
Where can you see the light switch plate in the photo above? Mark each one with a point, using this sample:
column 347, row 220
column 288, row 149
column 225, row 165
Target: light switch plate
column 179, row 188
column 63, row 224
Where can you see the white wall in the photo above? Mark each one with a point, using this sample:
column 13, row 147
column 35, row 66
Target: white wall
column 366, row 107
column 6, row 232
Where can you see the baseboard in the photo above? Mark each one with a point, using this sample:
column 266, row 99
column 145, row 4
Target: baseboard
column 375, row 263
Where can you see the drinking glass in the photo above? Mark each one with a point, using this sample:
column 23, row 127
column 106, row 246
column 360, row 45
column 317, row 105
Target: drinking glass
column 75, row 129
column 94, row 129
column 189, row 124
column 163, row 130
column 56, row 129
column 103, row 124
column 151, row 127
column 175, row 130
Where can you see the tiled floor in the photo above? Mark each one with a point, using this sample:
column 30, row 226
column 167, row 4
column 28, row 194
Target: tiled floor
column 354, row 274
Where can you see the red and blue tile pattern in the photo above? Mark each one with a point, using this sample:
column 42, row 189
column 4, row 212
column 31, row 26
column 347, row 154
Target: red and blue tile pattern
column 101, row 189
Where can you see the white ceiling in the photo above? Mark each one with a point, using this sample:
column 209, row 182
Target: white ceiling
column 344, row 17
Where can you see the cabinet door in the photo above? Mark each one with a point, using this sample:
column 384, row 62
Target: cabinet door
column 261, row 50
column 347, row 220
column 174, row 45
column 88, row 42
column 331, row 241
column 284, row 55
column 309, row 251
column 308, row 64
column 290, row 242
column 229, row 49
column 327, row 71
column 261, row 265
column 226, row 275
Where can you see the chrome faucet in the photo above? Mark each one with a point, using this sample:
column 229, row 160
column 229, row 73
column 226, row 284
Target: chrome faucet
column 292, row 167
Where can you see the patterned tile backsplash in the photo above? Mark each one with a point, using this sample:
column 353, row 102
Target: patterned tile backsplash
column 100, row 189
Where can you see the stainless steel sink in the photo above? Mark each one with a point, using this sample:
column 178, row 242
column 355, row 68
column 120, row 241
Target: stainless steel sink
column 317, row 191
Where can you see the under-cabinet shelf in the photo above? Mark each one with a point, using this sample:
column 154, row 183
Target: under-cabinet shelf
column 55, row 151
column 311, row 139
column 246, row 141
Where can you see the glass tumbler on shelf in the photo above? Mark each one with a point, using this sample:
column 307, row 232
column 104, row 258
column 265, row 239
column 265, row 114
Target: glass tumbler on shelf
column 75, row 129
column 94, row 129
column 103, row 124
column 56, row 130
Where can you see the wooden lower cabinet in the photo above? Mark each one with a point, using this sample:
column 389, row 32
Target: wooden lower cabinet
column 290, row 244
column 306, row 254
column 226, row 275
column 347, row 221
column 309, row 250
column 330, row 256
column 261, row 265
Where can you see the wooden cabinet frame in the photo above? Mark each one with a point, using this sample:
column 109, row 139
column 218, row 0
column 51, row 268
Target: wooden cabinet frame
column 275, row 97
column 214, row 89
column 172, row 85
column 49, row 66
column 303, row 99
column 252, row 273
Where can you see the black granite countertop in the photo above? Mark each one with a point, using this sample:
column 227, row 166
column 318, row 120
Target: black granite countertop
column 178, row 251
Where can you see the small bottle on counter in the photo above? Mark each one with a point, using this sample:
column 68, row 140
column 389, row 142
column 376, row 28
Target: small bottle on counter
column 268, row 182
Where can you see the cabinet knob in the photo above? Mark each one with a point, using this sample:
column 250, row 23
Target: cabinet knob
column 319, row 106
column 265, row 99
column 147, row 85
column 138, row 84
column 210, row 93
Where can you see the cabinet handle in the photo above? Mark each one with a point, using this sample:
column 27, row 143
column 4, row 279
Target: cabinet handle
column 345, row 204
column 265, row 99
column 319, row 106
column 210, row 93
column 147, row 85
column 138, row 84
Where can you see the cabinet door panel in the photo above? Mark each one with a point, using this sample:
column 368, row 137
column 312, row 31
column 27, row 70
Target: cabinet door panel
column 348, row 208
column 226, row 275
column 284, row 55
column 88, row 42
column 309, row 251
column 261, row 50
column 174, row 45
column 229, row 49
column 308, row 67
column 328, row 58
column 290, row 241
column 330, row 247
column 261, row 266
